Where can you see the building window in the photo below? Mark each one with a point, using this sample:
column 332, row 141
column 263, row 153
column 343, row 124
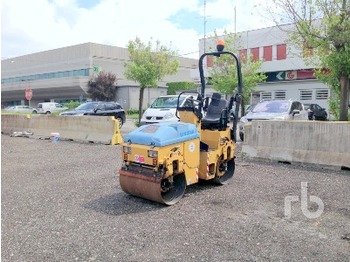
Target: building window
column 280, row 95
column 267, row 53
column 243, row 55
column 322, row 94
column 281, row 52
column 305, row 94
column 266, row 95
column 79, row 72
column 255, row 54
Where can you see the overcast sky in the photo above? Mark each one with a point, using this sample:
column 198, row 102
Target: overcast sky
column 29, row 26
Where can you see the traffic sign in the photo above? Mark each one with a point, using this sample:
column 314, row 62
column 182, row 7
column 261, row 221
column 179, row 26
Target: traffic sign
column 291, row 75
column 29, row 93
column 280, row 75
column 96, row 69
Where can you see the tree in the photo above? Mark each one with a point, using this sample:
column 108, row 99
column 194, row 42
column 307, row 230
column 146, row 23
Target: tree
column 147, row 66
column 102, row 87
column 322, row 30
column 180, row 86
column 224, row 72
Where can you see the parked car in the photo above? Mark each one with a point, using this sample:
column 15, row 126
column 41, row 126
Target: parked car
column 49, row 107
column 247, row 109
column 20, row 109
column 316, row 112
column 99, row 109
column 163, row 109
column 274, row 110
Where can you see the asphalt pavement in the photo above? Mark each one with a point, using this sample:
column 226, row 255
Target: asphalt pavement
column 62, row 202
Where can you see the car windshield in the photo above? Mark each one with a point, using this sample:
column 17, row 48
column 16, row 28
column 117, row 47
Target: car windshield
column 272, row 107
column 87, row 106
column 167, row 102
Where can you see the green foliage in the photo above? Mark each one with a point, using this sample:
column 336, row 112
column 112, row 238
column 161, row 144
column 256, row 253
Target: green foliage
column 149, row 65
column 224, row 72
column 334, row 105
column 132, row 111
column 180, row 86
column 71, row 104
column 102, row 87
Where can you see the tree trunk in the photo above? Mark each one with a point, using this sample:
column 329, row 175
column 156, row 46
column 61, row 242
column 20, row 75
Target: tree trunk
column 344, row 97
column 140, row 103
column 242, row 108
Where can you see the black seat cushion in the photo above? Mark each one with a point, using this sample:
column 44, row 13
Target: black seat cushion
column 215, row 112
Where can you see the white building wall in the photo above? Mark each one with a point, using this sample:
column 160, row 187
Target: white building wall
column 308, row 92
column 78, row 57
column 273, row 36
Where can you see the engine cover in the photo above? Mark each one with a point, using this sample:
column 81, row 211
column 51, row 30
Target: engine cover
column 162, row 134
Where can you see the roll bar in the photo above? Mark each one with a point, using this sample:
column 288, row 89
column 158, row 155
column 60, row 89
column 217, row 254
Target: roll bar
column 220, row 51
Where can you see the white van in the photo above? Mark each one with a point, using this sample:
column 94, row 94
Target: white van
column 163, row 109
column 49, row 107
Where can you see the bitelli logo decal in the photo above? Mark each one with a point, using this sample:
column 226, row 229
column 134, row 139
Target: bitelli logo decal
column 304, row 202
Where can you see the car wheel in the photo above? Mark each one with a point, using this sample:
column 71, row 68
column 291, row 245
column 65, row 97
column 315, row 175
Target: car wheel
column 34, row 112
column 48, row 113
column 120, row 122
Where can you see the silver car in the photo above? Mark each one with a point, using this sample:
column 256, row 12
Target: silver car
column 274, row 110
column 20, row 109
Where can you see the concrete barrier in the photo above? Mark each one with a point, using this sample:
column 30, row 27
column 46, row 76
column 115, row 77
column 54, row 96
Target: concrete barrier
column 314, row 142
column 101, row 129
column 14, row 123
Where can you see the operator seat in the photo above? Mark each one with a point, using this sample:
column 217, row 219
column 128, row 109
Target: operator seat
column 216, row 117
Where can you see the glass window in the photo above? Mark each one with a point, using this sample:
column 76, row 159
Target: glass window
column 110, row 106
column 101, row 106
column 243, row 55
column 317, row 107
column 267, row 53
column 86, row 106
column 167, row 102
column 281, row 52
column 272, row 107
column 255, row 54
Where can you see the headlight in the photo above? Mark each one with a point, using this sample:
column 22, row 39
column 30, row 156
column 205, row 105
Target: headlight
column 168, row 115
column 127, row 149
column 143, row 116
column 152, row 153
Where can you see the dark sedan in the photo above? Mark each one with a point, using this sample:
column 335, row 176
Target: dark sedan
column 316, row 112
column 99, row 109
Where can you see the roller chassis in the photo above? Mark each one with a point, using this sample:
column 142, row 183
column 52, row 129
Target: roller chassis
column 160, row 160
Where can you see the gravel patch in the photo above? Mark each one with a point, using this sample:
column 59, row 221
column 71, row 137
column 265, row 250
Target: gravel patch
column 62, row 202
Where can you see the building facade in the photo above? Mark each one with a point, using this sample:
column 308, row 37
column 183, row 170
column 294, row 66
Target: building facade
column 62, row 74
column 288, row 76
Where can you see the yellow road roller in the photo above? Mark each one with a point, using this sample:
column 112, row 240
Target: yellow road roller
column 161, row 159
